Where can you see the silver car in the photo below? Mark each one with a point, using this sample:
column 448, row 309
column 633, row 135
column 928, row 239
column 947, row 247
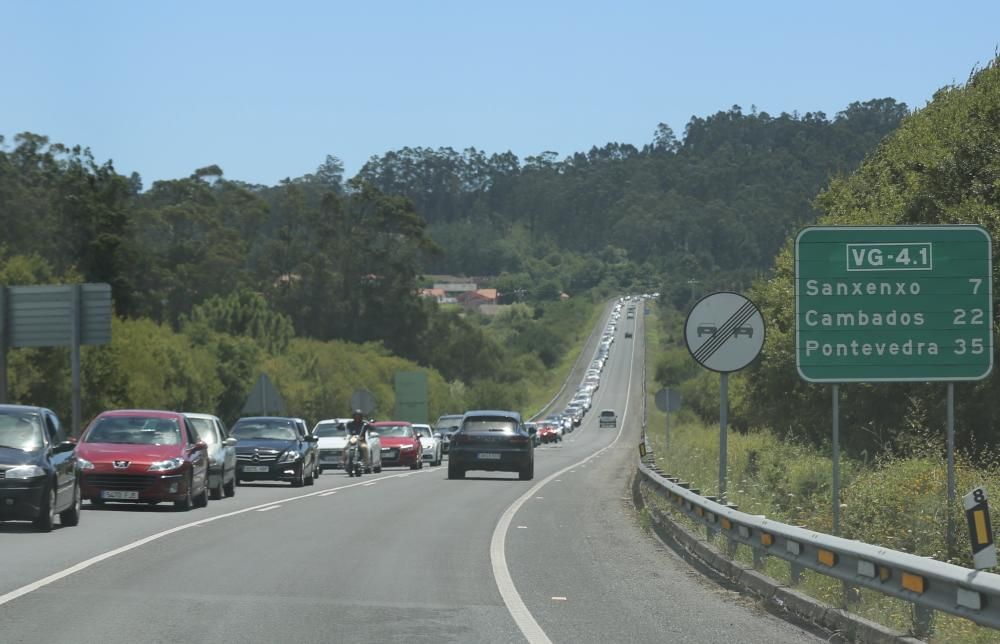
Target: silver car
column 430, row 441
column 221, row 454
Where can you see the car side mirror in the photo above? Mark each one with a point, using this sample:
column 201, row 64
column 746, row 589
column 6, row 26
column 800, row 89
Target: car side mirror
column 372, row 434
column 532, row 431
column 65, row 446
column 438, row 435
column 230, row 442
column 312, row 438
column 200, row 445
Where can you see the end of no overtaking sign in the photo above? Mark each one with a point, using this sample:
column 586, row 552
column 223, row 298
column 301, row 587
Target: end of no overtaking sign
column 724, row 332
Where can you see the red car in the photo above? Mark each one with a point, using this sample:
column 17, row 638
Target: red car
column 142, row 456
column 400, row 444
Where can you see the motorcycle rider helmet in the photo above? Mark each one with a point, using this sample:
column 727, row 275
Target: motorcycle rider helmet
column 358, row 415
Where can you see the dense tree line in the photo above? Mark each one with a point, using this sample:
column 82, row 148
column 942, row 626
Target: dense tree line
column 720, row 202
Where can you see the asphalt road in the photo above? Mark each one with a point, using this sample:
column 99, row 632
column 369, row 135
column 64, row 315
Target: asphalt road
column 398, row 557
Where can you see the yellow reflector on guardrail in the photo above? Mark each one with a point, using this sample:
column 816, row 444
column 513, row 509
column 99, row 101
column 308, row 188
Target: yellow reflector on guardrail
column 916, row 583
column 766, row 539
column 727, row 524
column 826, row 558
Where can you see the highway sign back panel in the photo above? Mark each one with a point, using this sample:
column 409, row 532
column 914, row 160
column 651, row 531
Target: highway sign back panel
column 893, row 303
column 724, row 332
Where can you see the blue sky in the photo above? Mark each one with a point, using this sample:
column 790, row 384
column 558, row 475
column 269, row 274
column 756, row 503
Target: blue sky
column 267, row 90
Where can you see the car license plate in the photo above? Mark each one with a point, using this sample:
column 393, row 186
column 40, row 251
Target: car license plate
column 256, row 468
column 122, row 495
column 488, row 456
column 330, row 459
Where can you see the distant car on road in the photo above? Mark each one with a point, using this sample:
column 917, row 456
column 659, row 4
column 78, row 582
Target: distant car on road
column 608, row 418
column 221, row 454
column 430, row 443
column 400, row 444
column 446, row 426
column 492, row 440
column 628, row 335
column 275, row 448
column 38, row 468
column 143, row 456
column 332, row 435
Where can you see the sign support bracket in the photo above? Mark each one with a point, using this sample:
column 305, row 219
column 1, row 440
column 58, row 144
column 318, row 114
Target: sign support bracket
column 723, row 421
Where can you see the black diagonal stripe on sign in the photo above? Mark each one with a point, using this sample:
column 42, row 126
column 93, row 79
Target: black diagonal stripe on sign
column 722, row 334
column 706, row 350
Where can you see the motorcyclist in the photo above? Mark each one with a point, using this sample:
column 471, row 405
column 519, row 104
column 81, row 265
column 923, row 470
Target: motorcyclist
column 358, row 427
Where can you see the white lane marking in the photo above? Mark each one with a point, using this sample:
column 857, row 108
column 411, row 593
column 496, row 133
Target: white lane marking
column 374, row 482
column 498, row 543
column 522, row 527
column 558, row 599
column 83, row 565
column 269, row 508
column 329, row 493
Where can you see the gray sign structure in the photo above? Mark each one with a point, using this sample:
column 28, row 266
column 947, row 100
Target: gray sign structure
column 364, row 400
column 60, row 315
column 411, row 396
column 264, row 399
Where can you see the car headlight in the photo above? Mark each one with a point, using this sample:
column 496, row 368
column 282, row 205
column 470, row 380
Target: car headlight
column 169, row 464
column 25, row 472
column 289, row 457
column 84, row 464
column 407, row 448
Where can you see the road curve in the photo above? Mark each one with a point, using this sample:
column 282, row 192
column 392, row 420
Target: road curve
column 398, row 557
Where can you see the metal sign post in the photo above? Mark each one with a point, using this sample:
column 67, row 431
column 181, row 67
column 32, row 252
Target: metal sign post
column 724, row 332
column 950, row 434
column 667, row 400
column 836, row 459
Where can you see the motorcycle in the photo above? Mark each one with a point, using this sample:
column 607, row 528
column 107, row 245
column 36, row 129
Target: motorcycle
column 354, row 463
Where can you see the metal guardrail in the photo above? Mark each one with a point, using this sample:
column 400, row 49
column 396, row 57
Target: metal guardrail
column 927, row 583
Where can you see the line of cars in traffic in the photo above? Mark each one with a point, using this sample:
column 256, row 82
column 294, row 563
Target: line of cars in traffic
column 156, row 456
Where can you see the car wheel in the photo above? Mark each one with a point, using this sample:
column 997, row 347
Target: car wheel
column 308, row 479
column 378, row 469
column 299, row 480
column 317, row 471
column 47, row 517
column 201, row 500
column 418, row 464
column 71, row 515
column 527, row 473
column 229, row 489
column 455, row 472
column 217, row 491
column 187, row 502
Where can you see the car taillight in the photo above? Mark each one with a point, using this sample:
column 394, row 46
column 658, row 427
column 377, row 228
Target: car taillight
column 457, row 437
column 519, row 440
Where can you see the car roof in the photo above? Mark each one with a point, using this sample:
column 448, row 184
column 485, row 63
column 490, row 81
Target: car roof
column 391, row 423
column 605, row 412
column 34, row 408
column 200, row 416
column 156, row 413
column 481, row 413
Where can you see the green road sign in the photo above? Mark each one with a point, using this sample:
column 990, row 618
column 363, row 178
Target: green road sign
column 893, row 303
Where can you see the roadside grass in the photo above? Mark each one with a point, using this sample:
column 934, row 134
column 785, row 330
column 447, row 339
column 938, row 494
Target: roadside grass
column 899, row 503
column 553, row 379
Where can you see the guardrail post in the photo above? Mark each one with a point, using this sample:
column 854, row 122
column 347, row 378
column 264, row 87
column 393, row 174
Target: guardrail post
column 758, row 558
column 923, row 621
column 795, row 574
column 731, row 545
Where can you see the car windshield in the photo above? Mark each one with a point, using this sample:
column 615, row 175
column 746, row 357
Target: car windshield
column 423, row 431
column 21, row 431
column 607, row 413
column 205, row 429
column 490, row 424
column 135, row 430
column 330, row 430
column 281, row 430
column 404, row 431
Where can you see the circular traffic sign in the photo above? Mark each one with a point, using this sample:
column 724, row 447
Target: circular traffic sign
column 724, row 331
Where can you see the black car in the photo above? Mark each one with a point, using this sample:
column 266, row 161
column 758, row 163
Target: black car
column 38, row 473
column 446, row 426
column 275, row 448
column 493, row 441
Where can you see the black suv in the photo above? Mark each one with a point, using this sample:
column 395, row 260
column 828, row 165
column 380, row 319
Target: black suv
column 494, row 441
column 275, row 448
column 38, row 473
